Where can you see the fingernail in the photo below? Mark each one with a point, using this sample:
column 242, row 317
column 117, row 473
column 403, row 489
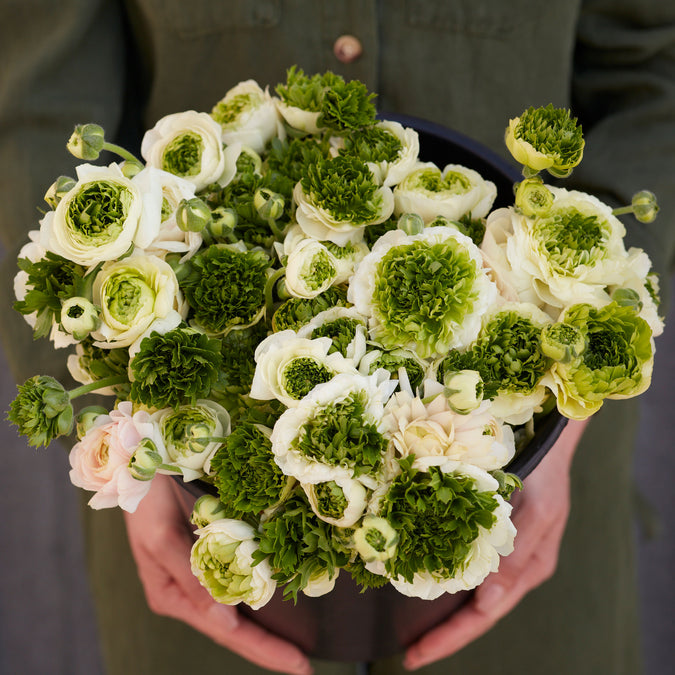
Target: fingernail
column 414, row 659
column 489, row 597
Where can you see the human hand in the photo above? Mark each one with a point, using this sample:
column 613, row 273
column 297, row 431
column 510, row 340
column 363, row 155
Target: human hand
column 540, row 515
column 161, row 539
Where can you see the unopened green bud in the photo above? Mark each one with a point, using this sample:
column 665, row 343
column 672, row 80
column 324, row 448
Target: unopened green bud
column 131, row 168
column 86, row 141
column 508, row 482
column 145, row 460
column 79, row 317
column 86, row 418
column 61, row 186
column 193, row 215
column 463, row 390
column 207, row 509
column 376, row 539
column 533, row 198
column 270, row 205
column 410, row 223
column 645, row 206
column 627, row 297
column 223, row 222
column 562, row 342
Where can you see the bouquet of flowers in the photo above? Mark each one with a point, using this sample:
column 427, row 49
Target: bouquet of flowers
column 346, row 345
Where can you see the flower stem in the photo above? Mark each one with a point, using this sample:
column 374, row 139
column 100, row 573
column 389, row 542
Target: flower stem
column 122, row 152
column 279, row 235
column 269, row 290
column 99, row 384
column 623, row 210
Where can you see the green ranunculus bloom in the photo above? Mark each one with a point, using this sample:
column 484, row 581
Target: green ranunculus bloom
column 616, row 361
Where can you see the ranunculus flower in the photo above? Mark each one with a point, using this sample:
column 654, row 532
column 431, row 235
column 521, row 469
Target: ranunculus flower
column 192, row 434
column 222, row 560
column 428, row 427
column 310, row 269
column 452, row 193
column 101, row 217
column 100, row 461
column 340, row 502
column 288, row 367
column 189, row 145
column 133, row 293
column 426, row 292
column 570, row 254
column 247, row 114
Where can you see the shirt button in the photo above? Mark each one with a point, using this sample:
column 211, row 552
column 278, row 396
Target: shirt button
column 347, row 48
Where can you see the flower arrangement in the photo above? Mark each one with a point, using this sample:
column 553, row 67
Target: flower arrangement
column 345, row 343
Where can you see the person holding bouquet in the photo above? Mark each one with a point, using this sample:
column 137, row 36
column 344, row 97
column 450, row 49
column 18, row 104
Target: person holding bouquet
column 127, row 65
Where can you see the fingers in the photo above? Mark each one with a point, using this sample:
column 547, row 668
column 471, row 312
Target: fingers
column 161, row 541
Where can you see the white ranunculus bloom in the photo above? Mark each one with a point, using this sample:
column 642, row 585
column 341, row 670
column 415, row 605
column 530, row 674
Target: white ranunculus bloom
column 452, row 193
column 373, row 391
column 430, row 325
column 132, row 293
column 186, row 432
column 320, row 584
column 394, row 172
column 101, row 217
column 297, row 118
column 353, row 492
column 428, row 427
column 248, row 115
column 485, row 550
column 287, row 365
column 569, row 255
column 222, row 560
column 317, row 221
column 356, row 348
column 170, row 238
column 187, row 144
column 310, row 269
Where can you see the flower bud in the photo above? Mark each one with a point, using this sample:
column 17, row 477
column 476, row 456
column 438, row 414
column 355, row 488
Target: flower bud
column 193, row 215
column 145, row 460
column 58, row 189
column 411, row 223
column 376, row 539
column 86, row 418
column 79, row 317
column 645, row 206
column 86, row 141
column 627, row 297
column 223, row 222
column 562, row 342
column 131, row 168
column 207, row 509
column 533, row 198
column 463, row 390
column 270, row 205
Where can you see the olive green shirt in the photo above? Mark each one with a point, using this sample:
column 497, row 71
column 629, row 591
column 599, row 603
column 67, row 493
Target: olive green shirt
column 467, row 64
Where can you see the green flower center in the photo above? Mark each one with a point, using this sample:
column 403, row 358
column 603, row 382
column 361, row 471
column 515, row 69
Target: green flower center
column 331, row 500
column 227, row 113
column 340, row 434
column 319, row 270
column 376, row 539
column 341, row 331
column 422, row 291
column 373, row 144
column 345, row 188
column 571, row 238
column 184, row 431
column 98, row 212
column 302, row 374
column 128, row 296
column 183, row 155
column 431, row 180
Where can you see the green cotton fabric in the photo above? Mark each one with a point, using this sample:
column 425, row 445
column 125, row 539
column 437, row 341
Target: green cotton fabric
column 470, row 65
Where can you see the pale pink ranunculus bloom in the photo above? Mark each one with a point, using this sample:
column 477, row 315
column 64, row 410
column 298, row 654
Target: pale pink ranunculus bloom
column 100, row 461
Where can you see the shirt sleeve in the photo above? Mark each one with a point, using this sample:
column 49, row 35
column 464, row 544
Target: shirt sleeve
column 62, row 63
column 624, row 95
